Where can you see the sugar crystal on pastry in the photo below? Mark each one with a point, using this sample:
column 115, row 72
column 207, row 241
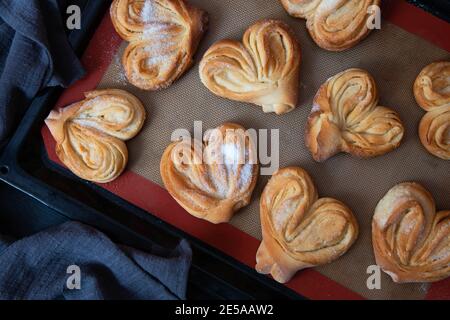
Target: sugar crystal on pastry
column 221, row 184
column 163, row 36
column 148, row 12
column 334, row 25
column 411, row 240
column 346, row 117
column 90, row 134
column 263, row 69
column 299, row 229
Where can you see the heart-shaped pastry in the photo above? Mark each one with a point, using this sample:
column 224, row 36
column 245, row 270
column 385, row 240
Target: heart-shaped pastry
column 299, row 230
column 432, row 92
column 263, row 69
column 90, row 134
column 163, row 36
column 410, row 240
column 334, row 25
column 213, row 179
column 345, row 117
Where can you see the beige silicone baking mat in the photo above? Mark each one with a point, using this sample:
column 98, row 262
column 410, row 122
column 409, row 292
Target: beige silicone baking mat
column 393, row 56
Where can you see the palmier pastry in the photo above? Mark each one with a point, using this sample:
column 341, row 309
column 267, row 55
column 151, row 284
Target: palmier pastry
column 410, row 240
column 163, row 36
column 263, row 69
column 299, row 230
column 90, row 134
column 345, row 117
column 334, row 25
column 214, row 179
column 432, row 92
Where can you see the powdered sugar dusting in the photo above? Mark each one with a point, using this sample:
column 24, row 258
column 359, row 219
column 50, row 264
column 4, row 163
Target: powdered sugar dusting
column 245, row 176
column 120, row 77
column 158, row 58
column 154, row 60
column 230, row 173
column 234, row 158
column 231, row 154
column 157, row 36
column 281, row 214
column 407, row 226
column 440, row 255
column 315, row 108
column 156, row 31
column 148, row 11
column 424, row 287
column 220, row 183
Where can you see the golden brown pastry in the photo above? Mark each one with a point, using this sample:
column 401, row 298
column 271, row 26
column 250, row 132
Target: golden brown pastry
column 432, row 92
column 334, row 25
column 299, row 230
column 345, row 117
column 90, row 134
column 410, row 240
column 263, row 69
column 163, row 36
column 216, row 185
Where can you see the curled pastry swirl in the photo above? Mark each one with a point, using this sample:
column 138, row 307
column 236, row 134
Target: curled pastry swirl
column 432, row 92
column 90, row 134
column 334, row 25
column 214, row 179
column 263, row 69
column 345, row 117
column 410, row 240
column 299, row 230
column 163, row 36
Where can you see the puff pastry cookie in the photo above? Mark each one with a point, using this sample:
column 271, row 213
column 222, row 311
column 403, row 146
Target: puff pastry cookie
column 345, row 117
column 432, row 92
column 299, row 230
column 90, row 134
column 163, row 36
column 213, row 179
column 263, row 69
column 410, row 240
column 335, row 25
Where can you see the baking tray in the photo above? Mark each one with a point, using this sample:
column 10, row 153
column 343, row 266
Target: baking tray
column 25, row 165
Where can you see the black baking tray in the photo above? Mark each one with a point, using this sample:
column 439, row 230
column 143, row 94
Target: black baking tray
column 439, row 8
column 55, row 195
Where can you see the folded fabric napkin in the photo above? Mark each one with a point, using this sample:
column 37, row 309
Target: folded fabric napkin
column 34, row 54
column 44, row 266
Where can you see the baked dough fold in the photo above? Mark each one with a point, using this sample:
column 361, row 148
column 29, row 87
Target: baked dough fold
column 163, row 36
column 299, row 230
column 213, row 179
column 432, row 93
column 410, row 240
column 345, row 117
column 334, row 25
column 263, row 69
column 90, row 134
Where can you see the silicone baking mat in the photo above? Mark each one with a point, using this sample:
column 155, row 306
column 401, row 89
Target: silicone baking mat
column 394, row 55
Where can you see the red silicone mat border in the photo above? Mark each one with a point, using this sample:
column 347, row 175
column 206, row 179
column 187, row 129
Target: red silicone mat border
column 225, row 237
